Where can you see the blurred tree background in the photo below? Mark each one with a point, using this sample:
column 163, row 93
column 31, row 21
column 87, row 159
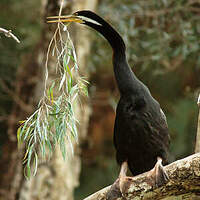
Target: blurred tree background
column 163, row 45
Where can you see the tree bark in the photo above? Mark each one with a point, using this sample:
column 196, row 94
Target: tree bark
column 184, row 183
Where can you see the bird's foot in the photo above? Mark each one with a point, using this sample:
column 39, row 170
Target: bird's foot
column 124, row 184
column 114, row 191
column 158, row 174
column 119, row 188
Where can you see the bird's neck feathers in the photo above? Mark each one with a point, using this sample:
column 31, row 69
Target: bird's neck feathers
column 126, row 79
column 109, row 33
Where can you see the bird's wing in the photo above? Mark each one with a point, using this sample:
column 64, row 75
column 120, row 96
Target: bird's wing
column 139, row 117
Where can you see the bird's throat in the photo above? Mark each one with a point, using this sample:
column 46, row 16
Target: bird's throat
column 125, row 78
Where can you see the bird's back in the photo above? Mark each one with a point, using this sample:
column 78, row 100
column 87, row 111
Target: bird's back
column 140, row 132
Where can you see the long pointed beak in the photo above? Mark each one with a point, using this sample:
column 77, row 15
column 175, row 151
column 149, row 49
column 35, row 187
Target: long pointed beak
column 67, row 18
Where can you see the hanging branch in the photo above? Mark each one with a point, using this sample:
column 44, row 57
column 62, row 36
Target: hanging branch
column 8, row 33
column 54, row 121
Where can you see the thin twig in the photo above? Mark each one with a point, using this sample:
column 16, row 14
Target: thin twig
column 61, row 7
column 8, row 33
column 54, row 120
column 197, row 146
column 25, row 107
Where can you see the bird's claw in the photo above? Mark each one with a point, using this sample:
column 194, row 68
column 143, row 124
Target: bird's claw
column 119, row 188
column 158, row 174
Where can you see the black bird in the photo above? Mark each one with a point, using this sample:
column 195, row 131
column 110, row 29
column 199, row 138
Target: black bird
column 141, row 135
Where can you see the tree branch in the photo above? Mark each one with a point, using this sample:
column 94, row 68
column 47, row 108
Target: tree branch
column 197, row 146
column 8, row 33
column 25, row 107
column 184, row 182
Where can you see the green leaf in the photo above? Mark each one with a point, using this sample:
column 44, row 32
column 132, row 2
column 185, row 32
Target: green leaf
column 18, row 136
column 27, row 171
column 35, row 163
column 62, row 81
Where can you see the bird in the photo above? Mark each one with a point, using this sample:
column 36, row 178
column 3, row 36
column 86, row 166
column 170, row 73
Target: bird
column 141, row 135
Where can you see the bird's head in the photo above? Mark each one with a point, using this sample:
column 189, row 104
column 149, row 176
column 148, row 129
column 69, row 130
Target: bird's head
column 94, row 21
column 83, row 17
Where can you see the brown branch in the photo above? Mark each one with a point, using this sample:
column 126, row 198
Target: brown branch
column 25, row 107
column 8, row 33
column 184, row 183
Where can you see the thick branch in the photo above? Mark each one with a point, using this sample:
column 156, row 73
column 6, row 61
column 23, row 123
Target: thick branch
column 184, row 182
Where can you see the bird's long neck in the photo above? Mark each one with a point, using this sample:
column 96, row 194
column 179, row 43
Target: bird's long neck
column 126, row 79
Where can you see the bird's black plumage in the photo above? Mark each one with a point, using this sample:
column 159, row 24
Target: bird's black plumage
column 140, row 131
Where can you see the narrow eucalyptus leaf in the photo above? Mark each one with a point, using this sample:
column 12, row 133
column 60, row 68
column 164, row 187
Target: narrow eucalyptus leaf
column 18, row 136
column 35, row 164
column 27, row 133
column 62, row 81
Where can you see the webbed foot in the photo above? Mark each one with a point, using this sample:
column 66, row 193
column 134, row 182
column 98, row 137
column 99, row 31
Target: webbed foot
column 158, row 174
column 120, row 186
